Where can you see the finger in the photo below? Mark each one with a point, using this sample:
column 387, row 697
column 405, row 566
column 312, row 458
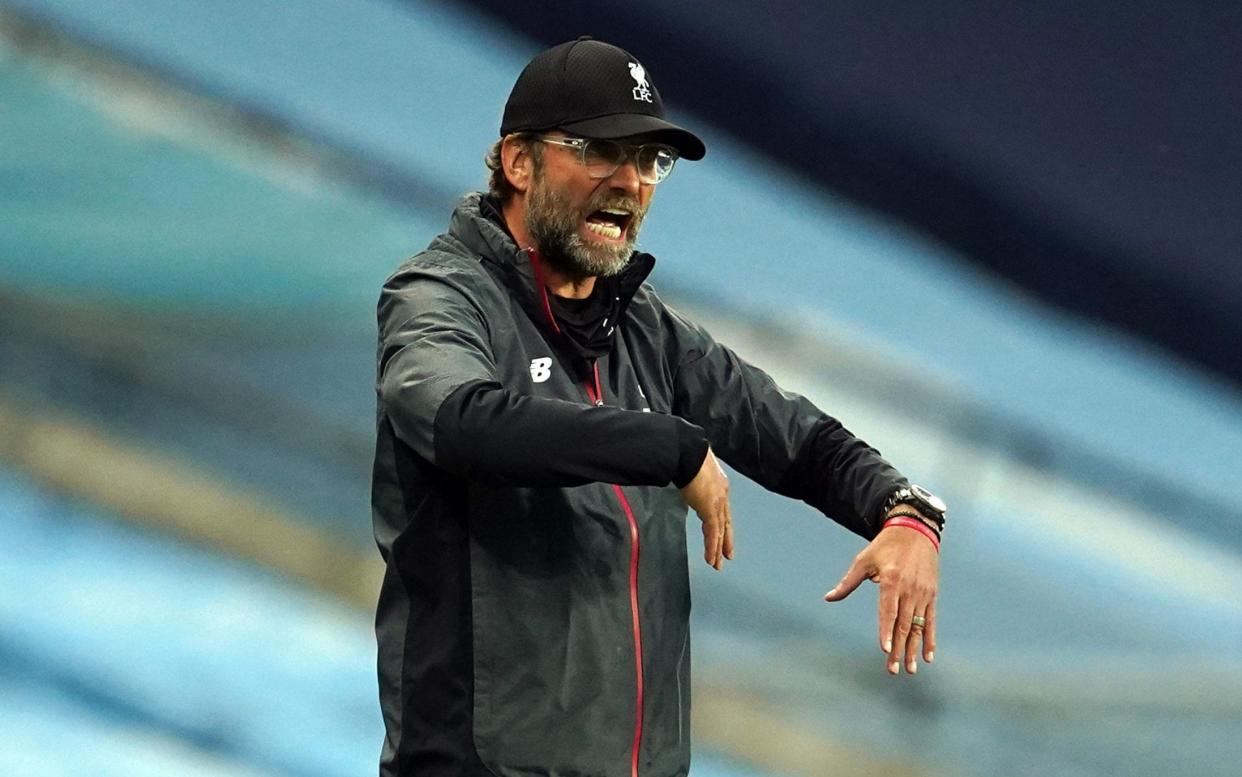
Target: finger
column 901, row 633
column 888, row 608
column 858, row 572
column 726, row 534
column 722, row 521
column 710, row 542
column 918, row 634
column 709, row 538
column 929, row 636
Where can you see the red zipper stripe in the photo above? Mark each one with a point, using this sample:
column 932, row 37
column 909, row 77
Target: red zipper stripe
column 596, row 395
column 537, row 266
column 638, row 634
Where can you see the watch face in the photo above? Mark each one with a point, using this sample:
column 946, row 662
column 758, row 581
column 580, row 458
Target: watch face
column 936, row 502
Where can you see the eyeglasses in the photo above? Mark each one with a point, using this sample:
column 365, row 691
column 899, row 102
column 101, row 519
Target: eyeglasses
column 601, row 158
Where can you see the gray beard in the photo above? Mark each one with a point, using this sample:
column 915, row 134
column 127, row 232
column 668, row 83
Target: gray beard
column 553, row 224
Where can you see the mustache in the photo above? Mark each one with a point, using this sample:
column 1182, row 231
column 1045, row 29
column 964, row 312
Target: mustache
column 615, row 201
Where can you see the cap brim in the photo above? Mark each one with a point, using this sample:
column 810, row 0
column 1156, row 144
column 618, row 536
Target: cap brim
column 624, row 125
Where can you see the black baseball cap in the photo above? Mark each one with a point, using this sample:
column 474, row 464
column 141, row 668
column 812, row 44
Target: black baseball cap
column 594, row 89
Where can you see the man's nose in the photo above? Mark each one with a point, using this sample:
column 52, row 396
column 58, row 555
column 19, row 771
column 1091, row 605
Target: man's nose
column 625, row 177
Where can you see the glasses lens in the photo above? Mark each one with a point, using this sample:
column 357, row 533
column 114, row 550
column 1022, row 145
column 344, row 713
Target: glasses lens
column 602, row 157
column 655, row 162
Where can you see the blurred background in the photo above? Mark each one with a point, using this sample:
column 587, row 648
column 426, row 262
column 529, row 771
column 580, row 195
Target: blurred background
column 999, row 241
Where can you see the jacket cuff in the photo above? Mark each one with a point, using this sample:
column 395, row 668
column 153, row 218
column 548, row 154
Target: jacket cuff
column 692, row 450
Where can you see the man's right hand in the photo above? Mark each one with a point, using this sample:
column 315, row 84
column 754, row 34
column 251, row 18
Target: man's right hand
column 708, row 495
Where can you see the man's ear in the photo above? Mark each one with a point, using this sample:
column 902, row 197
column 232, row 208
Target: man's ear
column 516, row 160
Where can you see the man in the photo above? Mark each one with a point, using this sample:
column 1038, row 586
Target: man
column 544, row 421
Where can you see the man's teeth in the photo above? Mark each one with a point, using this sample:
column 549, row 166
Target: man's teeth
column 605, row 230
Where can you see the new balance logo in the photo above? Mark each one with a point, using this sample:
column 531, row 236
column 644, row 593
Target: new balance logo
column 540, row 369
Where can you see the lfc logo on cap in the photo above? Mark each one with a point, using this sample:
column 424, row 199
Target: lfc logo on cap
column 643, row 89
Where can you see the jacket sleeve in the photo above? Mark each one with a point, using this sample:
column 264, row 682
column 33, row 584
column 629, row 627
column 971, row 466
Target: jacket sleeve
column 440, row 387
column 776, row 438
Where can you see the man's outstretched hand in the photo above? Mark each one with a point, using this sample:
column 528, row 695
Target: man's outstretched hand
column 708, row 495
column 906, row 566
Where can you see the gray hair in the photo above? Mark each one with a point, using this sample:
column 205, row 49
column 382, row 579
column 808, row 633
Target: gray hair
column 498, row 185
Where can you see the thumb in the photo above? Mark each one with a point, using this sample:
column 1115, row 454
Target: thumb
column 852, row 579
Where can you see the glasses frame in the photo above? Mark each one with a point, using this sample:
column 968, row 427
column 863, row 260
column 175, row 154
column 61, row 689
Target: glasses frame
column 631, row 153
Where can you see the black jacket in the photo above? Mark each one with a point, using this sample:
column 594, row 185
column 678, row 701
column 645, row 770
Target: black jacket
column 533, row 618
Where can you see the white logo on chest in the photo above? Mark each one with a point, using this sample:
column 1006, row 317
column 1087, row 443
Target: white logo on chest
column 541, row 369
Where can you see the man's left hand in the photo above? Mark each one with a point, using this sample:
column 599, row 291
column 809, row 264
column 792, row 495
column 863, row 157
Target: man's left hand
column 906, row 566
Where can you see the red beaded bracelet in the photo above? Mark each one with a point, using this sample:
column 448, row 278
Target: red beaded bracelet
column 918, row 526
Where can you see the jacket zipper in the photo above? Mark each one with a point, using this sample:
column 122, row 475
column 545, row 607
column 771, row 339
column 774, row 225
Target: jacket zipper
column 596, row 395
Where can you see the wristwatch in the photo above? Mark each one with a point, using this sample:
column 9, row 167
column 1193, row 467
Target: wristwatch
column 927, row 503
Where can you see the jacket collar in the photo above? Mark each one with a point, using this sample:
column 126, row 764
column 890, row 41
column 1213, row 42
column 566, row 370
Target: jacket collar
column 477, row 223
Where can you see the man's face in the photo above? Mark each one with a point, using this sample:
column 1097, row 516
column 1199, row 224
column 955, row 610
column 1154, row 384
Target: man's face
column 584, row 226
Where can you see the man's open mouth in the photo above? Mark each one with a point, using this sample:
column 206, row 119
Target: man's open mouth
column 610, row 223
